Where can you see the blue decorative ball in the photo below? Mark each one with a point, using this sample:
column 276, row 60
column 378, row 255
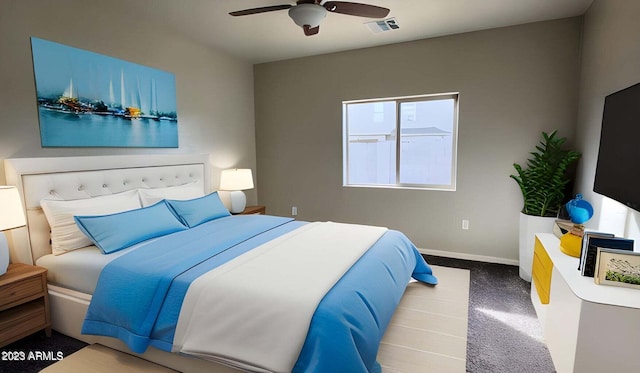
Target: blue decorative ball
column 580, row 211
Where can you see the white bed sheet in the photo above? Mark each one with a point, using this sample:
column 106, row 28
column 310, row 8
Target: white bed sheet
column 80, row 269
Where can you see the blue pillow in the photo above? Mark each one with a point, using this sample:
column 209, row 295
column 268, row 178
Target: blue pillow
column 118, row 231
column 196, row 211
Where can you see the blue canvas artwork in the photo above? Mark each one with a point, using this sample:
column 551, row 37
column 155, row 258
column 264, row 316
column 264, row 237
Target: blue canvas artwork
column 86, row 99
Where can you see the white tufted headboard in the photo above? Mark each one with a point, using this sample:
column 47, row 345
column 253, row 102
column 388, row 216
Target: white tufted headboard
column 67, row 178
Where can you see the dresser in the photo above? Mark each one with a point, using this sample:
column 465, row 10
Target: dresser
column 587, row 327
column 24, row 303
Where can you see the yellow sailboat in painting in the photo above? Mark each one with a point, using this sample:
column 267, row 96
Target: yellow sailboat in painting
column 132, row 113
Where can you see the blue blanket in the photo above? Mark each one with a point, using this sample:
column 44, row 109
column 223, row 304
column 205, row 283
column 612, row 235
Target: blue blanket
column 344, row 333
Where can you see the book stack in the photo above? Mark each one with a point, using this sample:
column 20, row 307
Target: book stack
column 562, row 227
column 591, row 241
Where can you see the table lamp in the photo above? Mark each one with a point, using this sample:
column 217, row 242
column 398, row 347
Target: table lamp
column 11, row 216
column 235, row 181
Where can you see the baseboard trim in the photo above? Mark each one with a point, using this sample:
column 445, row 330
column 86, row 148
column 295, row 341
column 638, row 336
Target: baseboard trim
column 478, row 258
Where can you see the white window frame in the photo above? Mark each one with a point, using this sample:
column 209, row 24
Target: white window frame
column 398, row 102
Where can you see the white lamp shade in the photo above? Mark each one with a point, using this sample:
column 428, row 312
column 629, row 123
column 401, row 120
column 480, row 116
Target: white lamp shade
column 11, row 216
column 236, row 179
column 11, row 213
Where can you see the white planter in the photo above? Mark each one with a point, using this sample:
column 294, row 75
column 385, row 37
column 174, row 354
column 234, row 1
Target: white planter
column 529, row 226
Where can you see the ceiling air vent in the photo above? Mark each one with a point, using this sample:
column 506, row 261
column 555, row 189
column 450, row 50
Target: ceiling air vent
column 383, row 25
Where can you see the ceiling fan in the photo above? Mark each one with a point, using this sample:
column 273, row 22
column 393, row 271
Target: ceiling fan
column 308, row 13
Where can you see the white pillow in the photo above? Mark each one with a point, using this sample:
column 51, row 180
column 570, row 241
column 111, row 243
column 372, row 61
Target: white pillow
column 149, row 197
column 65, row 234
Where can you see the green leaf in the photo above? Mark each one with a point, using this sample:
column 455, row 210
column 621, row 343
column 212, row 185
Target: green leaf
column 544, row 180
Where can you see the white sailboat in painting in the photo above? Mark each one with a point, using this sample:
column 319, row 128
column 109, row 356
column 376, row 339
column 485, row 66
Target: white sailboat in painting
column 122, row 90
column 132, row 111
column 68, row 92
column 112, row 95
column 148, row 104
column 66, row 103
column 153, row 96
column 69, row 101
column 132, row 102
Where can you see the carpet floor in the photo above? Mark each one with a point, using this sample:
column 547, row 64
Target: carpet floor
column 504, row 335
column 503, row 331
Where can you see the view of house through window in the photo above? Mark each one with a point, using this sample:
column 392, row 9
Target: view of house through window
column 423, row 155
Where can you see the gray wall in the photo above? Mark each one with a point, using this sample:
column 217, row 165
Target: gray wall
column 214, row 90
column 514, row 83
column 610, row 62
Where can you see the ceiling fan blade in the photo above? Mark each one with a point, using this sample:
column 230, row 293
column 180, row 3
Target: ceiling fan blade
column 265, row 9
column 310, row 30
column 356, row 9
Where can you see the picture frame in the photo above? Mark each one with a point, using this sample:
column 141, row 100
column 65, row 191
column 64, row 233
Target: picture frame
column 86, row 99
column 618, row 268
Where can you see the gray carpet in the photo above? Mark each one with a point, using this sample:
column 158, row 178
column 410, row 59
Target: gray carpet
column 503, row 336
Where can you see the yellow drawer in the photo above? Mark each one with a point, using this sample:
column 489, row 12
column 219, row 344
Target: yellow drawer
column 541, row 272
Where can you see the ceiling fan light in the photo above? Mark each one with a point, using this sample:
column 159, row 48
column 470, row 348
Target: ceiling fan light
column 307, row 14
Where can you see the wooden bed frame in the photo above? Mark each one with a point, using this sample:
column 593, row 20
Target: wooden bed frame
column 68, row 178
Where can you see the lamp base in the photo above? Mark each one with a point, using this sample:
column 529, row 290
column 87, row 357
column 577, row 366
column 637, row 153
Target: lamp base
column 238, row 201
column 4, row 254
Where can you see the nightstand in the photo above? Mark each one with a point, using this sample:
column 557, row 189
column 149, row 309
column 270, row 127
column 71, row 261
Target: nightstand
column 251, row 210
column 24, row 302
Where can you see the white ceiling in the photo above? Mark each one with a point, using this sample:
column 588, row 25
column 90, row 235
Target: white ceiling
column 273, row 36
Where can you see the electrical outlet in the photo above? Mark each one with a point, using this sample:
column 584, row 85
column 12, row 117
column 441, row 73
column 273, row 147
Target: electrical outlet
column 294, row 211
column 465, row 224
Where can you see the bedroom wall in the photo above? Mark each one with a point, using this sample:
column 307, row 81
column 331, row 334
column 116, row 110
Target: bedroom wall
column 514, row 82
column 611, row 61
column 214, row 90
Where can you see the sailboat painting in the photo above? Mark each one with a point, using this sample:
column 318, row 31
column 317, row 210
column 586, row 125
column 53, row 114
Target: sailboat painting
column 86, row 99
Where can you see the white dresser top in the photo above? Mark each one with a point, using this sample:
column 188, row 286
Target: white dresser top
column 582, row 286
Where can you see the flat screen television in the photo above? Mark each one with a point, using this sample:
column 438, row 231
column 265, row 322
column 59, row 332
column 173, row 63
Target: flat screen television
column 618, row 167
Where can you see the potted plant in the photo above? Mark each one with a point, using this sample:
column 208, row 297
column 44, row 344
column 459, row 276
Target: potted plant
column 543, row 184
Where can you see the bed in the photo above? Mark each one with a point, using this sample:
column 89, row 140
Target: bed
column 263, row 323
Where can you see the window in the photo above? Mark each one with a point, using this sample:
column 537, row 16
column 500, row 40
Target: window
column 423, row 155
